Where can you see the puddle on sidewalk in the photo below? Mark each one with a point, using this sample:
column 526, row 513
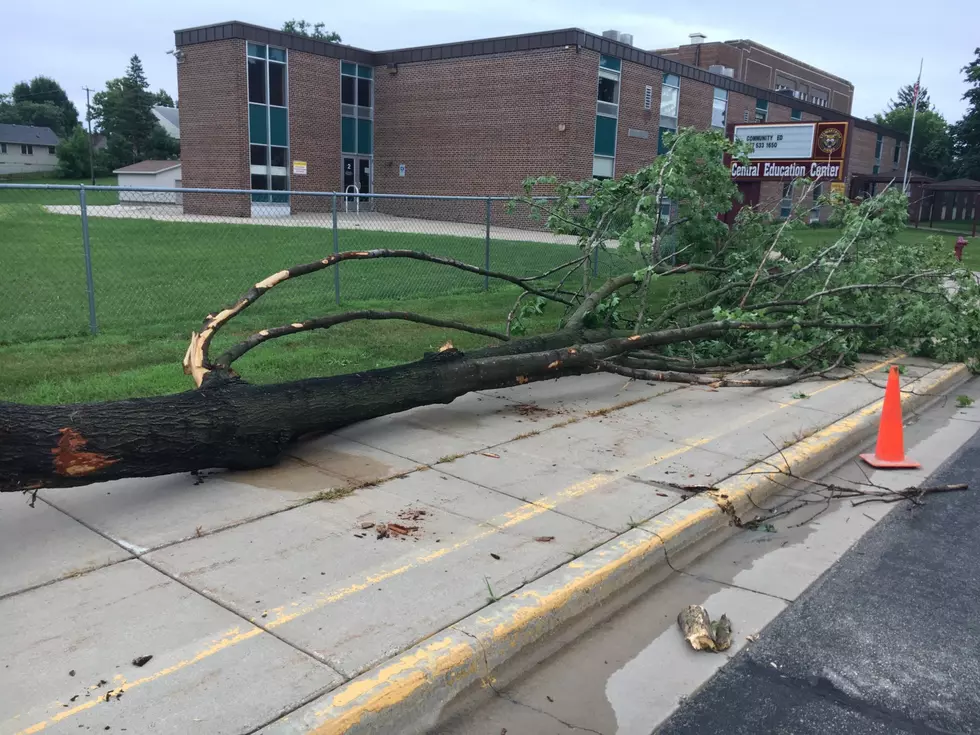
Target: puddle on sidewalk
column 333, row 469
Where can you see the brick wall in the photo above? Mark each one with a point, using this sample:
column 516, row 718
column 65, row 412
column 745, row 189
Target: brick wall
column 482, row 125
column 738, row 106
column 211, row 86
column 314, row 128
column 696, row 101
column 779, row 114
column 635, row 153
column 861, row 151
column 759, row 66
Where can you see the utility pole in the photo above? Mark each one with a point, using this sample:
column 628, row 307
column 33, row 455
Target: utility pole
column 91, row 154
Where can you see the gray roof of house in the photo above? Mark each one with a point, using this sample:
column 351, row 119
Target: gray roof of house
column 170, row 114
column 27, row 134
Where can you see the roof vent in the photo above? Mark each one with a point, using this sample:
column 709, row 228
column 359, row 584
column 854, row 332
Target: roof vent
column 725, row 71
column 697, row 38
column 626, row 38
column 613, row 35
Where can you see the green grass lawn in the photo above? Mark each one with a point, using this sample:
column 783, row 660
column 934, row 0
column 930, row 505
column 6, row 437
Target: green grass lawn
column 155, row 281
column 54, row 196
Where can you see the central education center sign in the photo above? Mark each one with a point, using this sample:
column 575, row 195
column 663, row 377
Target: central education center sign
column 788, row 151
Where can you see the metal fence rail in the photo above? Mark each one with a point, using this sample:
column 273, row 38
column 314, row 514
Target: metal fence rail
column 85, row 259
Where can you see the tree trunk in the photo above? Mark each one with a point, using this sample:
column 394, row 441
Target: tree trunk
column 228, row 423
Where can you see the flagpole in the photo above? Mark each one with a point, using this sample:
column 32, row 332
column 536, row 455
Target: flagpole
column 915, row 109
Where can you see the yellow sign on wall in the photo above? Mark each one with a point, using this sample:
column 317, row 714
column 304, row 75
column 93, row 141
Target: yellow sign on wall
column 837, row 187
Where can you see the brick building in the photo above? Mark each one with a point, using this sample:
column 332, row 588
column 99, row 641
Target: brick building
column 267, row 110
column 760, row 66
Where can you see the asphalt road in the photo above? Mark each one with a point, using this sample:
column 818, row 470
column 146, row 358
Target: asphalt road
column 888, row 641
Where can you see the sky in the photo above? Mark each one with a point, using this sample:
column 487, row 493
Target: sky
column 79, row 46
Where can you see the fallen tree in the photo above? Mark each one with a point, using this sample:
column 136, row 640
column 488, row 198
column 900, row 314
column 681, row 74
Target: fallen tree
column 747, row 298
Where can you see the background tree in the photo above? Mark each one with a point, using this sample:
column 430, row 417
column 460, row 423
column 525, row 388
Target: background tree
column 73, row 157
column 123, row 113
column 311, row 30
column 966, row 132
column 932, row 146
column 163, row 99
column 41, row 102
column 906, row 96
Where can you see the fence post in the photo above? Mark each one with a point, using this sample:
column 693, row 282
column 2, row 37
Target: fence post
column 87, row 247
column 486, row 259
column 336, row 251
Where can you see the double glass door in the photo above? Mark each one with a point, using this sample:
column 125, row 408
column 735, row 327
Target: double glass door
column 357, row 173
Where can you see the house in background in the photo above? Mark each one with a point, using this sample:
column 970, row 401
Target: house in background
column 150, row 175
column 25, row 149
column 169, row 119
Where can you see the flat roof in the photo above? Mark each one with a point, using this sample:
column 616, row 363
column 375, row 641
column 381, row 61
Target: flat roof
column 148, row 167
column 504, row 44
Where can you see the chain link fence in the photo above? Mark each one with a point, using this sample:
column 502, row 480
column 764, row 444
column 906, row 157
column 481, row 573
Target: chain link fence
column 155, row 262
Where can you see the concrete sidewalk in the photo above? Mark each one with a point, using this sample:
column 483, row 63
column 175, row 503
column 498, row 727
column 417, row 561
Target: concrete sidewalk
column 257, row 593
column 373, row 221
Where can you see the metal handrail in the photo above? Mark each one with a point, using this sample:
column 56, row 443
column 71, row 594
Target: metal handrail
column 357, row 200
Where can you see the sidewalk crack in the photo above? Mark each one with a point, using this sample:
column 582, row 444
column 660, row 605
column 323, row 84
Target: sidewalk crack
column 560, row 721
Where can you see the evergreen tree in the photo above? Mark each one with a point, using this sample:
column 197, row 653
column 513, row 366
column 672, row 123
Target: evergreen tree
column 966, row 132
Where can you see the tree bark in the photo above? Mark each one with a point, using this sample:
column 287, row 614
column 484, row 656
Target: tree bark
column 227, row 423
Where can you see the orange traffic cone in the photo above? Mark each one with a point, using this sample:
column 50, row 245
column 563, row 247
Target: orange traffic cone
column 890, row 449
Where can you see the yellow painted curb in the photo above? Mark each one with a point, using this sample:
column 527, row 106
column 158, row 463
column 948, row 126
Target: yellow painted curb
column 408, row 693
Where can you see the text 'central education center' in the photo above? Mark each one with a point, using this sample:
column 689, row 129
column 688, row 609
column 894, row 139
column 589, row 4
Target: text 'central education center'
column 265, row 110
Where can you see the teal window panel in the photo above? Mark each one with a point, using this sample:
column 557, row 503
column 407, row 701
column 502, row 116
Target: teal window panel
column 255, row 49
column 364, row 137
column 875, row 169
column 662, row 145
column 365, row 72
column 605, row 135
column 796, row 115
column 348, row 135
column 672, row 80
column 610, row 62
column 258, row 128
column 277, row 54
column 279, row 126
column 346, row 67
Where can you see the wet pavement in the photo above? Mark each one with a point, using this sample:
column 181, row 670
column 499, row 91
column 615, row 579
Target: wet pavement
column 629, row 674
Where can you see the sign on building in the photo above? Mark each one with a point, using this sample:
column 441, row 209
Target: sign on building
column 777, row 141
column 299, row 168
column 788, row 151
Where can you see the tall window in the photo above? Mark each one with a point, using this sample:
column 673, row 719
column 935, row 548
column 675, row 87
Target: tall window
column 879, row 144
column 606, row 117
column 796, row 115
column 786, row 204
column 3, row 147
column 27, row 150
column 897, row 154
column 719, row 108
column 670, row 99
column 356, row 108
column 815, row 211
column 761, row 110
column 268, row 122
